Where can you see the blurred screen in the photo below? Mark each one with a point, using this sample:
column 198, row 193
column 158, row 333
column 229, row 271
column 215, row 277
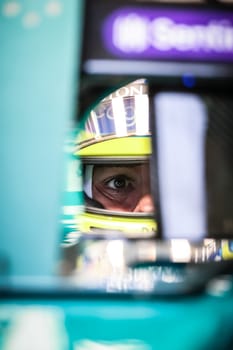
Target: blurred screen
column 168, row 39
column 194, row 141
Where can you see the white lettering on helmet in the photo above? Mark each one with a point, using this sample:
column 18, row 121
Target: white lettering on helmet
column 128, row 91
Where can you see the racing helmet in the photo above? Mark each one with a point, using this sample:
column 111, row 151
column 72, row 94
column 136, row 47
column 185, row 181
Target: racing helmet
column 114, row 146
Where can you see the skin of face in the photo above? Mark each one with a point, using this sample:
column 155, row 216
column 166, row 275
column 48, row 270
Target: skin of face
column 123, row 188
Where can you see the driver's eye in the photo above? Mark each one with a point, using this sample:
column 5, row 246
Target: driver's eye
column 119, row 182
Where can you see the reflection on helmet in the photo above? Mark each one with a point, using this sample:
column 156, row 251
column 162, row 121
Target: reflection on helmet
column 224, row 251
column 115, row 149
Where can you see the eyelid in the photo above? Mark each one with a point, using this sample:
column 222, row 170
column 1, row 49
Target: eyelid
column 115, row 176
column 112, row 178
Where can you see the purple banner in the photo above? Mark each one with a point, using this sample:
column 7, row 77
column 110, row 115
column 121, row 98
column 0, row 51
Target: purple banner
column 150, row 33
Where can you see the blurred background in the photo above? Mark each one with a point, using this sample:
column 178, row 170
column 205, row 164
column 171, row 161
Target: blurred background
column 59, row 288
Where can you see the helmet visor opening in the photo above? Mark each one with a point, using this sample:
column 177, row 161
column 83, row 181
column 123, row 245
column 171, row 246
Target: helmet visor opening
column 121, row 188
